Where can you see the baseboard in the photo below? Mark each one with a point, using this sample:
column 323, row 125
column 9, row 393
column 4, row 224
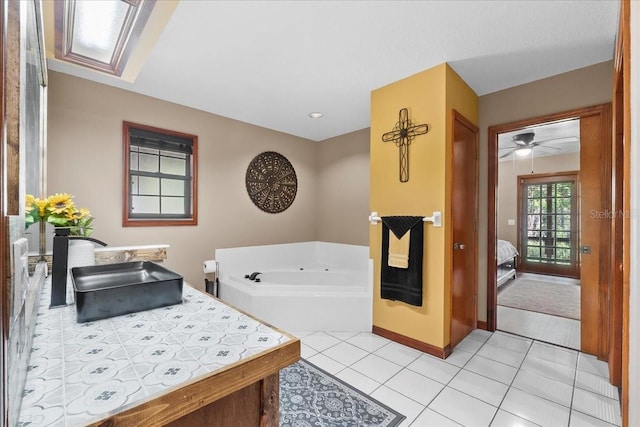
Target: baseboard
column 482, row 325
column 442, row 353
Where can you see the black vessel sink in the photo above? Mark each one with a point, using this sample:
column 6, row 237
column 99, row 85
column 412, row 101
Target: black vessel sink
column 103, row 291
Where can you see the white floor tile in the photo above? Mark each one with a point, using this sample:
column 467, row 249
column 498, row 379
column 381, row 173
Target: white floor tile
column 415, row 386
column 469, row 345
column 376, row 368
column 358, row 380
column 301, row 334
column 555, row 371
column 436, row 369
column 500, row 354
column 345, row 353
column 306, row 351
column 459, row 358
column 509, row 341
column 320, row 341
column 505, row 419
column 398, row 353
column 430, row 418
column 553, row 353
column 407, row 407
column 483, row 388
column 596, row 384
column 491, row 369
column 578, row 419
column 368, row 341
column 592, row 365
column 554, row 386
column 597, row 406
column 540, row 326
column 544, row 387
column 343, row 335
column 480, row 335
column 535, row 409
column 326, row 363
column 450, row 403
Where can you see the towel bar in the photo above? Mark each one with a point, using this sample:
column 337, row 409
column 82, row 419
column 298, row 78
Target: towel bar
column 436, row 218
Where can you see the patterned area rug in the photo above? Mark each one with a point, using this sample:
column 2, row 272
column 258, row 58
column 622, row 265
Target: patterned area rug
column 311, row 397
column 543, row 297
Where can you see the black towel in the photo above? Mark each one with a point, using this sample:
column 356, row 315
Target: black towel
column 400, row 284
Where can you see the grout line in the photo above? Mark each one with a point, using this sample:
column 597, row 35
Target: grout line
column 510, row 385
column 573, row 390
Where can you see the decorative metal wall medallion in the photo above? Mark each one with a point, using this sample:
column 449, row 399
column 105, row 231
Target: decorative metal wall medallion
column 402, row 134
column 271, row 182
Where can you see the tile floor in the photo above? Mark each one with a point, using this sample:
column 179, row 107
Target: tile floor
column 491, row 379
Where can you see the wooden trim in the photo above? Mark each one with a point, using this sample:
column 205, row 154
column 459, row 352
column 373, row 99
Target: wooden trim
column 182, row 400
column 606, row 248
column 482, row 325
column 624, row 36
column 128, row 222
column 4, row 229
column 492, row 184
column 442, row 353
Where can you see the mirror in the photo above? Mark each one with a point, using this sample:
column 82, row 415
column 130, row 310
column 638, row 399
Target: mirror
column 33, row 79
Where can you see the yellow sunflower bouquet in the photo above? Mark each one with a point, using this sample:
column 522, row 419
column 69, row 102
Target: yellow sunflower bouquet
column 60, row 211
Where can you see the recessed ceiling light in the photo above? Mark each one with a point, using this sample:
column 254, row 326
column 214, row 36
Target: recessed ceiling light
column 315, row 115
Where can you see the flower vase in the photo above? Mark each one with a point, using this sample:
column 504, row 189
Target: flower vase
column 42, row 249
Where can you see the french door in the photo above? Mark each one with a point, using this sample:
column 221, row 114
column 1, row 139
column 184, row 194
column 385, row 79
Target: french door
column 548, row 224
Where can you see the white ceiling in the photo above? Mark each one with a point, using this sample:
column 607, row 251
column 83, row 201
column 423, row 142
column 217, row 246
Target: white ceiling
column 271, row 63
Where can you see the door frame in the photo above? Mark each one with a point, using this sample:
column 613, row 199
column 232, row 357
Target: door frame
column 492, row 183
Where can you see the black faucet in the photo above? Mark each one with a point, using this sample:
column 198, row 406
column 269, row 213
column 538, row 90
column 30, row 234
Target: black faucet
column 59, row 265
column 252, row 276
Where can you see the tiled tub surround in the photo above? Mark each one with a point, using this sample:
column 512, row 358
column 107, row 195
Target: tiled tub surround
column 80, row 373
column 302, row 283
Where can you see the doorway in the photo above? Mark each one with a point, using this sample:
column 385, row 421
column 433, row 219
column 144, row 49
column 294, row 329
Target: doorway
column 592, row 240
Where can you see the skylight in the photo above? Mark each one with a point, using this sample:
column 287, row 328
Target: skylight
column 99, row 34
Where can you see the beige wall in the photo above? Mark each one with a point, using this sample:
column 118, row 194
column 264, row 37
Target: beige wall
column 85, row 159
column 580, row 88
column 343, row 188
column 507, row 194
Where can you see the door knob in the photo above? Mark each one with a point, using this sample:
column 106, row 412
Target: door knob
column 458, row 246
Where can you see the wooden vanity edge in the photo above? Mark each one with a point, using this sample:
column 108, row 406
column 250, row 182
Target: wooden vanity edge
column 172, row 405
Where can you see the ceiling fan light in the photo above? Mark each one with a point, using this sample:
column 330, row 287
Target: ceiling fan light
column 523, row 151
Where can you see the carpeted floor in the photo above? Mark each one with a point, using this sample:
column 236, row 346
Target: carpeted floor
column 543, row 297
column 311, row 397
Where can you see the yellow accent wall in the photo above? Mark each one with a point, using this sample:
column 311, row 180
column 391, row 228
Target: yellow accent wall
column 430, row 97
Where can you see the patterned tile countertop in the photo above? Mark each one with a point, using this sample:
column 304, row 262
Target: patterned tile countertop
column 80, row 372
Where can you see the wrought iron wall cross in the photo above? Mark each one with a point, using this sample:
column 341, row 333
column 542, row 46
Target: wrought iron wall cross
column 402, row 134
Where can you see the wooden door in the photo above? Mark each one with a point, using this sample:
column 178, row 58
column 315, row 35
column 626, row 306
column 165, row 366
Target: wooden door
column 595, row 230
column 548, row 224
column 619, row 200
column 464, row 217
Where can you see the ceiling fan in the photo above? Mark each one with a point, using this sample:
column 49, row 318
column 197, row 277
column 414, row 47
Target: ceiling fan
column 524, row 142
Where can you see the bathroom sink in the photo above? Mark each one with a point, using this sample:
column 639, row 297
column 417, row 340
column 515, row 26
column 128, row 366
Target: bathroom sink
column 103, row 291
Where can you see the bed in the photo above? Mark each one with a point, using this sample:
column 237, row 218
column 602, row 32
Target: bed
column 507, row 254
